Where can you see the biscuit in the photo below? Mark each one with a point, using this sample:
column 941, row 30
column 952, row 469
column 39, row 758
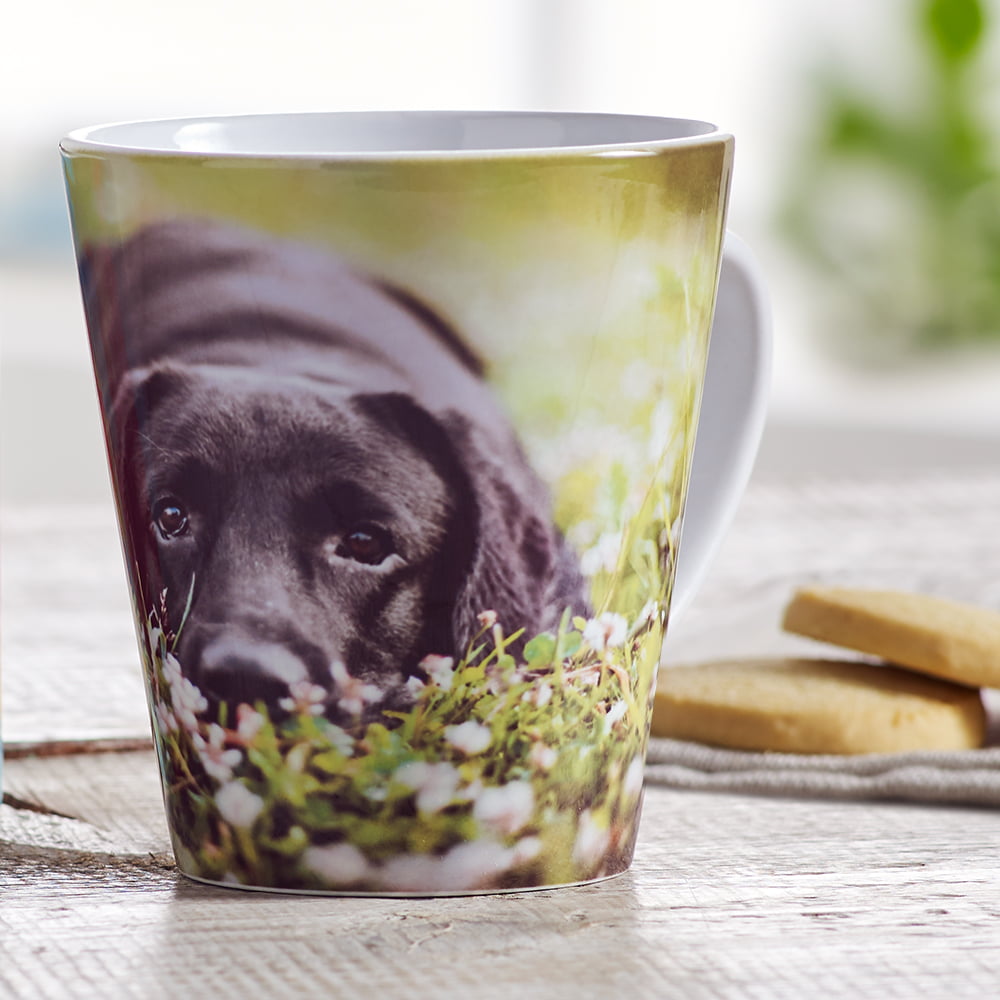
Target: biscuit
column 942, row 638
column 815, row 706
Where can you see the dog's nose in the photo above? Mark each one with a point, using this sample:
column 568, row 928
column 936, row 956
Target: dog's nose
column 237, row 669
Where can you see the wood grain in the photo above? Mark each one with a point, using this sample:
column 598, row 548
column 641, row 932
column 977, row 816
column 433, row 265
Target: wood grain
column 730, row 896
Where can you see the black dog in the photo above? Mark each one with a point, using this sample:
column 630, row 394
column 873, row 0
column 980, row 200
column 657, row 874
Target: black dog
column 311, row 464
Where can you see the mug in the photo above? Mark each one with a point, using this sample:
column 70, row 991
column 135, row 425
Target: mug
column 400, row 412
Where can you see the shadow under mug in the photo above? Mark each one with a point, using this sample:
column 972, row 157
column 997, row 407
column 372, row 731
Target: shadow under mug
column 400, row 412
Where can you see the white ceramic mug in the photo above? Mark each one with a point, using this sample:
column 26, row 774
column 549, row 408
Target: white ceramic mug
column 400, row 412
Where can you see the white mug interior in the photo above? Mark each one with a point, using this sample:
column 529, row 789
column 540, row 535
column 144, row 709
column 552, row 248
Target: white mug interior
column 381, row 133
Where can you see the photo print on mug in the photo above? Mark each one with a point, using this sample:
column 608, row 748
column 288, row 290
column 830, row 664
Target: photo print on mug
column 399, row 449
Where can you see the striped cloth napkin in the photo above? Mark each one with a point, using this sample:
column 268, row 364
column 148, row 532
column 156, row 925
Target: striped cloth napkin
column 969, row 777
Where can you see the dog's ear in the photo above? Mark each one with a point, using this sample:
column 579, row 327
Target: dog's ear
column 139, row 394
column 518, row 562
column 100, row 281
column 131, row 454
column 502, row 553
column 402, row 416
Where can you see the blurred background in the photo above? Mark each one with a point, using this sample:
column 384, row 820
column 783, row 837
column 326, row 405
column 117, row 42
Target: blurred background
column 867, row 176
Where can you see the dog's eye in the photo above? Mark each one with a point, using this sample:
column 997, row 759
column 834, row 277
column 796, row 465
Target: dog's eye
column 171, row 518
column 368, row 544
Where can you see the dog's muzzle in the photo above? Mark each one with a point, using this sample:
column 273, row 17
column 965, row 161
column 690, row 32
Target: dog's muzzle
column 237, row 670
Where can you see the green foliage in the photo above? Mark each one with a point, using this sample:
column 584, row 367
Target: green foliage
column 896, row 203
column 953, row 28
column 508, row 770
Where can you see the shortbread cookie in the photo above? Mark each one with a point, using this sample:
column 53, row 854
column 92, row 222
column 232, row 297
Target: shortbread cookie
column 943, row 638
column 815, row 706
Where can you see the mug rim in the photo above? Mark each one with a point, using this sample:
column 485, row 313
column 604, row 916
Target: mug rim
column 212, row 136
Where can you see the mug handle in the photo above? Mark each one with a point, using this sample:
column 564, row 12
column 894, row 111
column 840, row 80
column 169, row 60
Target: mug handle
column 733, row 407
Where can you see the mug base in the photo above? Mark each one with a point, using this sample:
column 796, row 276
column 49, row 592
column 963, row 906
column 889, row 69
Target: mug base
column 421, row 894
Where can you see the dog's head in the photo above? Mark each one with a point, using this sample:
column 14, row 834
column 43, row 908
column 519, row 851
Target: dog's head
column 310, row 537
column 301, row 537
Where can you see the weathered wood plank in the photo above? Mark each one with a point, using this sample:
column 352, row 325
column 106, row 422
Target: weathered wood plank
column 107, row 802
column 729, row 896
column 70, row 662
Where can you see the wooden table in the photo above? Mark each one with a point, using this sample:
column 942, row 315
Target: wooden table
column 729, row 896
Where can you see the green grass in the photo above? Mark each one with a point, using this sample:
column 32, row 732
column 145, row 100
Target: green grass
column 508, row 771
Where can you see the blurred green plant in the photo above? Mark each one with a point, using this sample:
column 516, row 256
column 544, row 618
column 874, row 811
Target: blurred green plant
column 896, row 203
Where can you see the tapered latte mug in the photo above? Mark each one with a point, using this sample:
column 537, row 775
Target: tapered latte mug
column 401, row 414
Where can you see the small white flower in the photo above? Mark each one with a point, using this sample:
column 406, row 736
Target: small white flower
column 188, row 702
column 415, row 686
column 471, row 791
column 440, row 669
column 499, row 679
column 153, row 636
column 539, row 696
column 166, row 719
column 487, row 619
column 591, row 840
column 606, row 631
column 237, row 805
column 602, row 555
column 632, row 784
column 507, row 808
column 410, row 873
column 337, row 864
column 249, row 723
column 187, row 719
column 661, row 430
column 527, row 849
column 640, row 379
column 353, row 692
column 305, row 698
column 616, row 712
column 542, row 757
column 650, row 614
column 215, row 758
column 172, row 669
column 339, row 739
column 435, row 784
column 474, row 864
column 586, row 676
column 469, row 737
